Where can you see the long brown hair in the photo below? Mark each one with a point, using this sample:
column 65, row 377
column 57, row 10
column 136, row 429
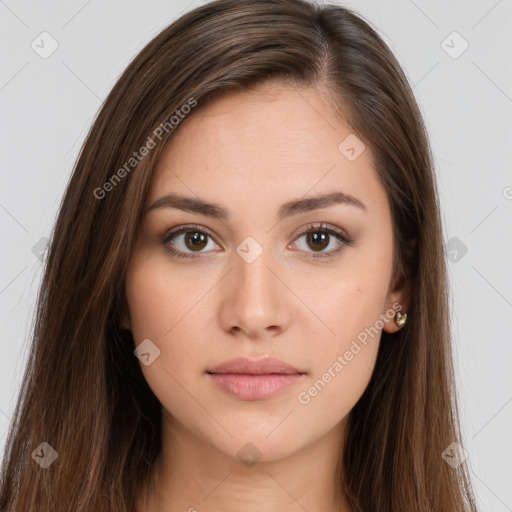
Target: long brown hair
column 83, row 391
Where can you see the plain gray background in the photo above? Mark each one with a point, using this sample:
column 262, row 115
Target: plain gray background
column 47, row 106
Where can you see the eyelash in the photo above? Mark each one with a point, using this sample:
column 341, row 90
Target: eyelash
column 312, row 228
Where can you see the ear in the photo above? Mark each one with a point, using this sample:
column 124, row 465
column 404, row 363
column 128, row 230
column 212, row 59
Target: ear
column 397, row 300
column 399, row 293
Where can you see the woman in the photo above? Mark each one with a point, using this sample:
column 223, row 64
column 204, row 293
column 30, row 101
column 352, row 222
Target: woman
column 245, row 299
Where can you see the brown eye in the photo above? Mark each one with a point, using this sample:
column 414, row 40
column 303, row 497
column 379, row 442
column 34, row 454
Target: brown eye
column 184, row 241
column 319, row 237
column 317, row 240
column 195, row 240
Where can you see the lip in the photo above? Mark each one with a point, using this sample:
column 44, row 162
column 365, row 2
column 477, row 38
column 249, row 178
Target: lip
column 265, row 365
column 254, row 379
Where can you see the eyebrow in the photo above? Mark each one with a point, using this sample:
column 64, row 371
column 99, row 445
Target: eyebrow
column 288, row 209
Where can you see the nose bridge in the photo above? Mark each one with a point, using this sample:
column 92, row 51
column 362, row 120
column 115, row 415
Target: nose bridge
column 256, row 284
column 253, row 274
column 255, row 301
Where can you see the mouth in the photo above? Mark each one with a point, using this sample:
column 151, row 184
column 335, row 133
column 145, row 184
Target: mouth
column 254, row 380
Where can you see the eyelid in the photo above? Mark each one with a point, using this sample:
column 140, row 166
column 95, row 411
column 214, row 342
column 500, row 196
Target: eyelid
column 339, row 233
column 323, row 226
column 183, row 228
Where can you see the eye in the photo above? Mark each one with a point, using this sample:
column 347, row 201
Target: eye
column 184, row 241
column 320, row 237
column 193, row 238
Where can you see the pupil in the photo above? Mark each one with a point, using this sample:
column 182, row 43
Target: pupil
column 198, row 239
column 320, row 239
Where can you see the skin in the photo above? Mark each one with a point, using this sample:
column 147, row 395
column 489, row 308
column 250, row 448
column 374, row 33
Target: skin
column 250, row 152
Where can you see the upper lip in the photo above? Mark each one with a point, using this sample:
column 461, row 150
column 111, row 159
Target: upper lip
column 266, row 365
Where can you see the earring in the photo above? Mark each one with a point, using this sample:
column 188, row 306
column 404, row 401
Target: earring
column 400, row 318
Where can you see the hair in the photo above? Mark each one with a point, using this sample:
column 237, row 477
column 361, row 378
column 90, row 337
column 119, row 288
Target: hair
column 83, row 391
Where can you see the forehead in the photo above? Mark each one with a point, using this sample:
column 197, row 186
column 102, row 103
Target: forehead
column 274, row 122
column 271, row 142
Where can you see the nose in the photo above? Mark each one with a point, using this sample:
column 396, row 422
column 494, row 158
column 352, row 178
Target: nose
column 255, row 300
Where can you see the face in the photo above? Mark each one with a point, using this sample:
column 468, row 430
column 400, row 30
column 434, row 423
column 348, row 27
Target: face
column 264, row 271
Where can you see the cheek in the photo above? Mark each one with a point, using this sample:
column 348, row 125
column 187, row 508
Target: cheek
column 165, row 309
column 345, row 358
column 344, row 361
column 349, row 306
column 158, row 297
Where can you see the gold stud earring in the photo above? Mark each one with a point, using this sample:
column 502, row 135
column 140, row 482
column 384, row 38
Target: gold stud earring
column 400, row 318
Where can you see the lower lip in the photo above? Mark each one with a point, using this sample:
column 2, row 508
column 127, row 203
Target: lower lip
column 254, row 387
